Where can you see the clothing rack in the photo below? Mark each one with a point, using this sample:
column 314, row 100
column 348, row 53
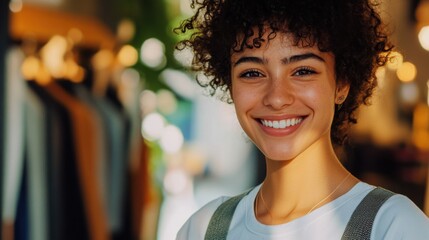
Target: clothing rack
column 38, row 25
column 35, row 22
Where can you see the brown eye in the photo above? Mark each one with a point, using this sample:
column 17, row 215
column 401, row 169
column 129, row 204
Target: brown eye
column 304, row 71
column 251, row 74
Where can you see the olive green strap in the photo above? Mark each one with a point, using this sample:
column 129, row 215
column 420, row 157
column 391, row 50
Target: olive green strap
column 360, row 224
column 221, row 219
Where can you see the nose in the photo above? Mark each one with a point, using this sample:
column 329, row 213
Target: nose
column 278, row 94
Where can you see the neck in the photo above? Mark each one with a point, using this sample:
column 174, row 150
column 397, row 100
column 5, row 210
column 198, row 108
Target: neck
column 312, row 167
column 294, row 187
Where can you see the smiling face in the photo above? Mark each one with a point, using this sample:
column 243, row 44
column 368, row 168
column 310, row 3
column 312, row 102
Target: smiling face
column 285, row 96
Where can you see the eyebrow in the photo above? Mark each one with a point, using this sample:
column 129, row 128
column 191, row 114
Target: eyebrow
column 294, row 58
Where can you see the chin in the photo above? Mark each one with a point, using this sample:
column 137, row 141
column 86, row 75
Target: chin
column 277, row 151
column 279, row 159
column 280, row 156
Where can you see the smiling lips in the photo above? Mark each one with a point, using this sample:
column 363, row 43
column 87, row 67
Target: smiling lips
column 281, row 124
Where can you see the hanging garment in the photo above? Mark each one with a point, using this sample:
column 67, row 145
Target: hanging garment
column 14, row 139
column 21, row 224
column 85, row 137
column 67, row 218
column 115, row 167
column 35, row 139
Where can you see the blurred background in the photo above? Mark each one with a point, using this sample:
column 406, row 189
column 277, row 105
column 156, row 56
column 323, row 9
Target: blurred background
column 106, row 135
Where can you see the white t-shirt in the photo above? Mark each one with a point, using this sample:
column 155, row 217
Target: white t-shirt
column 398, row 218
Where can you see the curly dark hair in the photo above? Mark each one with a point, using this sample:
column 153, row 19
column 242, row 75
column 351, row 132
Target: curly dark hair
column 351, row 29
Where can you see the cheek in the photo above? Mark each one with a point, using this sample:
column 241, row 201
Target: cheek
column 241, row 105
column 241, row 95
column 313, row 94
column 244, row 101
column 318, row 97
column 237, row 99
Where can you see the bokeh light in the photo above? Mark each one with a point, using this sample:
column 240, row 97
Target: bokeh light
column 153, row 126
column 30, row 67
column 175, row 180
column 126, row 30
column 52, row 55
column 167, row 102
column 130, row 77
column 409, row 93
column 152, row 53
column 148, row 102
column 172, row 139
column 407, row 72
column 15, row 6
column 424, row 37
column 103, row 59
column 128, row 56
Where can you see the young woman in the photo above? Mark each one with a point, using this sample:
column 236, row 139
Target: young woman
column 296, row 71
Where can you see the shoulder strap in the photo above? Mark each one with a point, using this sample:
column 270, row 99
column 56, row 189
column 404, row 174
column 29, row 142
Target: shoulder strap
column 362, row 219
column 221, row 219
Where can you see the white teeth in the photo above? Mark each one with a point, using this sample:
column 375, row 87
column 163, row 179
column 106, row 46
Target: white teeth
column 276, row 124
column 282, row 123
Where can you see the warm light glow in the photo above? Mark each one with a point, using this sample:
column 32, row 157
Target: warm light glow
column 128, row 56
column 33, row 69
column 74, row 72
column 167, row 102
column 194, row 159
column 79, row 76
column 102, row 59
column 30, row 67
column 395, row 60
column 407, row 72
column 15, row 6
column 43, row 76
column 421, row 116
column 422, row 12
column 424, row 37
column 126, row 30
column 172, row 139
column 153, row 126
column 409, row 93
column 421, row 126
column 52, row 55
column 75, row 35
column 152, row 53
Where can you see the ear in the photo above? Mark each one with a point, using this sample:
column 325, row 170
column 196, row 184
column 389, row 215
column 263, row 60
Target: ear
column 341, row 92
